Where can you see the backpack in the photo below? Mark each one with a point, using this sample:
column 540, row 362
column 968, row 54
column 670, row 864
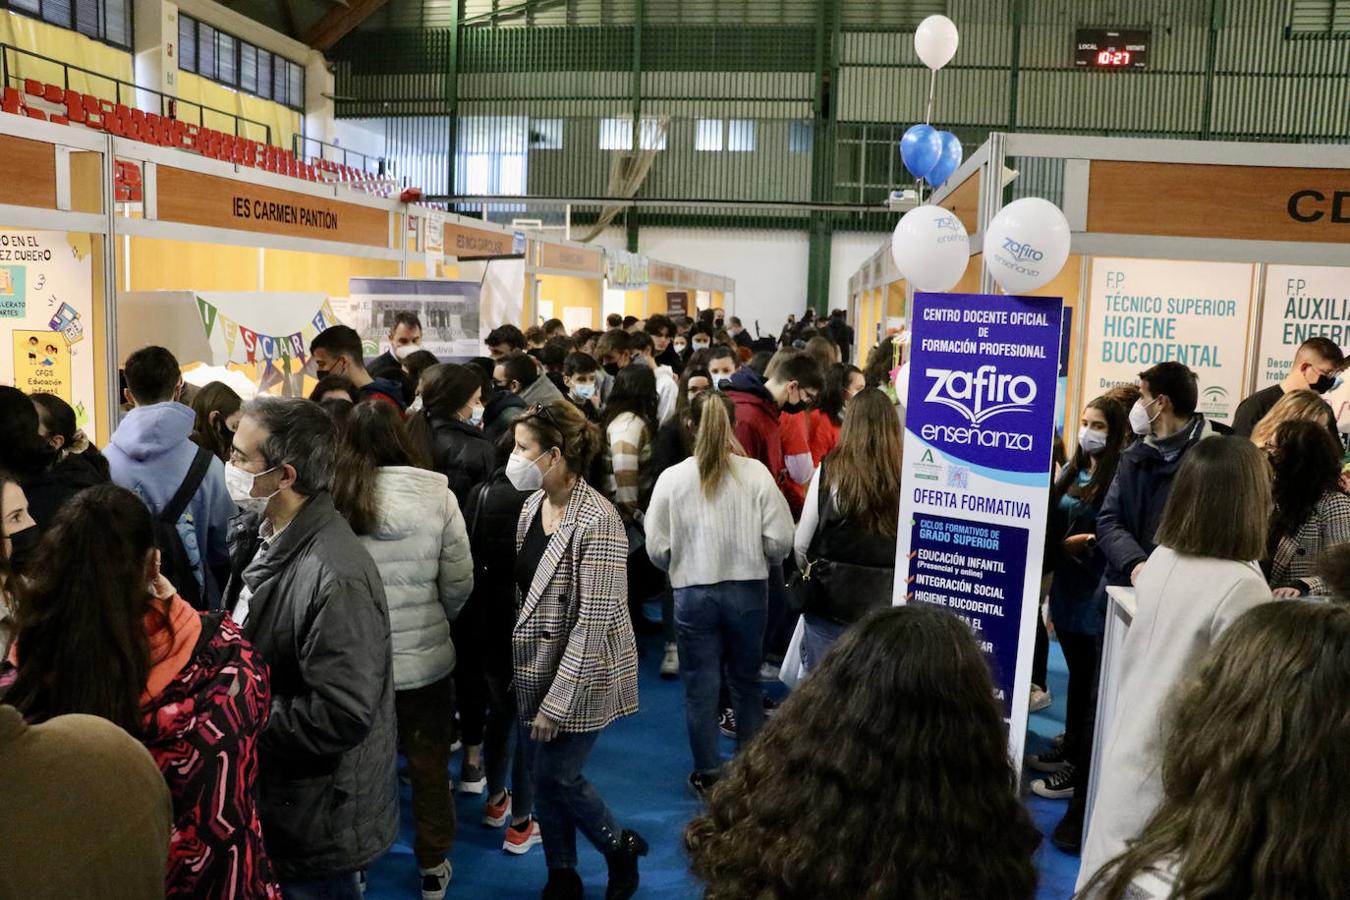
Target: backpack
column 176, row 536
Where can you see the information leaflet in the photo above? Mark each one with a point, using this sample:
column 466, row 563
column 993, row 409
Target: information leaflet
column 979, row 426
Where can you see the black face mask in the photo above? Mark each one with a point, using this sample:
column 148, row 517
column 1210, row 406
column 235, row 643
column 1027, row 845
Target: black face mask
column 23, row 547
column 794, row 408
column 612, row 369
column 1324, row 384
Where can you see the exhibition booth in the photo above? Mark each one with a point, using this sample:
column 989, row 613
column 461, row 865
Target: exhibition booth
column 1249, row 256
column 114, row 242
column 642, row 287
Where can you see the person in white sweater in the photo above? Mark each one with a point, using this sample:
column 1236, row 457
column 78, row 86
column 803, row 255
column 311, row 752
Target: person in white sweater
column 1196, row 583
column 408, row 519
column 715, row 523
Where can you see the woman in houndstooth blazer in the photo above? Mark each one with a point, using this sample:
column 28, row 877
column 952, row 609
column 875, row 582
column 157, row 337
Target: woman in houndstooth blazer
column 574, row 654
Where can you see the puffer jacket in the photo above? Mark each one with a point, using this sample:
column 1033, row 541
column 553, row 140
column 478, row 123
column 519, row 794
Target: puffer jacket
column 421, row 548
column 462, row 453
column 327, row 792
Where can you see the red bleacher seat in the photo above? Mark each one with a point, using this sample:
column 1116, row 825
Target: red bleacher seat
column 12, row 102
column 32, row 87
column 91, row 103
column 35, row 113
column 75, row 112
column 59, row 120
column 54, row 93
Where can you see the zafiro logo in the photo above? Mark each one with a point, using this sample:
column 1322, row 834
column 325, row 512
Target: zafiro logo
column 1022, row 252
column 982, row 394
column 948, row 223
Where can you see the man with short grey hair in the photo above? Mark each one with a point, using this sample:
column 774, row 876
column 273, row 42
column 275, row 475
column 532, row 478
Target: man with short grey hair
column 309, row 598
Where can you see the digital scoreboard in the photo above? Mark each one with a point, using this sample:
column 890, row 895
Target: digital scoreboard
column 1099, row 48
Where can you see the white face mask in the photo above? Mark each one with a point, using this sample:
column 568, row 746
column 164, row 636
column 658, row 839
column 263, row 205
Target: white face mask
column 416, row 405
column 701, row 345
column 403, row 351
column 584, row 391
column 239, row 484
column 524, row 474
column 679, row 346
column 1140, row 420
column 476, row 415
column 1092, row 441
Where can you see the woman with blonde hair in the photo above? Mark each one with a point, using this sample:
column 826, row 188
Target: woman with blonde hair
column 1254, row 793
column 1201, row 577
column 845, row 541
column 1307, row 406
column 716, row 523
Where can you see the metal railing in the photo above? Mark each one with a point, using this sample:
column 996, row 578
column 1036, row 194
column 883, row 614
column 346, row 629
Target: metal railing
column 314, row 149
column 123, row 92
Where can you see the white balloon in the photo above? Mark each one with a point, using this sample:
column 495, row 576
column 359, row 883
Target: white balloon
column 930, row 248
column 902, row 384
column 935, row 41
column 1026, row 244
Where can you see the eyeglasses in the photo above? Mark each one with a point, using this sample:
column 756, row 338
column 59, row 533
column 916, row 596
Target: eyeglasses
column 541, row 411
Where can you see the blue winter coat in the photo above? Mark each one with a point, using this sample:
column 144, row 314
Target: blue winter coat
column 1127, row 526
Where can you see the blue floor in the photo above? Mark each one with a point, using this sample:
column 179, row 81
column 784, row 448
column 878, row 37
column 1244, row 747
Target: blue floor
column 639, row 766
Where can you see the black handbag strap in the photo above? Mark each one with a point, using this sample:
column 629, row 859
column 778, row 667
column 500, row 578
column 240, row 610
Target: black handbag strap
column 191, row 481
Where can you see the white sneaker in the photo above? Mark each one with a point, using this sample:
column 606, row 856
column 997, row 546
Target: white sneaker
column 436, row 881
column 670, row 663
column 768, row 673
column 1039, row 700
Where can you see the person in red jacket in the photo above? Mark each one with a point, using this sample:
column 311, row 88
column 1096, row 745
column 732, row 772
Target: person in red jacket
column 842, row 383
column 771, row 421
column 102, row 632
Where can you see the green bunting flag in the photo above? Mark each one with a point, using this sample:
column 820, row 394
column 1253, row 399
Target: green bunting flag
column 208, row 313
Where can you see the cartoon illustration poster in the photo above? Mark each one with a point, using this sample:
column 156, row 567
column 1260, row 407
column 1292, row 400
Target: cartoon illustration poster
column 42, row 364
column 46, row 311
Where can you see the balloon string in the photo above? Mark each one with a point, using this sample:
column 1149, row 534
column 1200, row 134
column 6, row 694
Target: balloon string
column 932, row 89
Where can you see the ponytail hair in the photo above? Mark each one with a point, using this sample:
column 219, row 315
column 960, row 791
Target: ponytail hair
column 715, row 441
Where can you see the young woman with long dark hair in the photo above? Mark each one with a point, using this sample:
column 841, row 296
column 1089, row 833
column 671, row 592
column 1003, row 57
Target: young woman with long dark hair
column 407, row 517
column 630, row 426
column 1201, row 577
column 895, row 749
column 218, row 410
column 1312, row 515
column 100, row 631
column 842, row 383
column 845, row 541
column 1253, row 769
column 451, row 422
column 1077, row 594
column 715, row 524
column 19, row 536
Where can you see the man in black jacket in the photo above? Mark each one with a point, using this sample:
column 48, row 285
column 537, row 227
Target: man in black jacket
column 309, row 598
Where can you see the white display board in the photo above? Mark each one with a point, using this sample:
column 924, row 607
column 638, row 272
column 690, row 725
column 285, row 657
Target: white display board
column 1147, row 311
column 448, row 310
column 1300, row 302
column 46, row 310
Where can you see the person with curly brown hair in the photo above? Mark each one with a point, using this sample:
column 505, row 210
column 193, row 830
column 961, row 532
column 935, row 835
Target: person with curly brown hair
column 891, row 755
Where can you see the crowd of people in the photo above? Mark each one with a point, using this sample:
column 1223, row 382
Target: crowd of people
column 257, row 616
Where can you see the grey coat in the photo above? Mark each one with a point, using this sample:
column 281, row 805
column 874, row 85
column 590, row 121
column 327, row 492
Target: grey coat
column 328, row 797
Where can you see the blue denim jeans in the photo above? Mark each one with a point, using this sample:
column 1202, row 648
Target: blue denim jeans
column 817, row 636
column 564, row 801
column 720, row 627
column 334, row 887
column 504, row 750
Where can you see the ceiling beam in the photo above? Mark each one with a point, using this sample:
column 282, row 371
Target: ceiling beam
column 338, row 22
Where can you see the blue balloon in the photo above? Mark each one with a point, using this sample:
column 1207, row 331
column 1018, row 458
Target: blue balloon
column 920, row 149
column 948, row 162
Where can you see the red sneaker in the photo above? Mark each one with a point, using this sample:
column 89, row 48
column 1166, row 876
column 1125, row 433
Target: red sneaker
column 495, row 815
column 519, row 839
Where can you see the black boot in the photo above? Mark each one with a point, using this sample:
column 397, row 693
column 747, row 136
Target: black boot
column 563, row 884
column 623, row 866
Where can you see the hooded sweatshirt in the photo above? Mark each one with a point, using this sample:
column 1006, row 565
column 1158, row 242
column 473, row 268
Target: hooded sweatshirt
column 150, row 454
column 421, row 548
column 761, row 432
